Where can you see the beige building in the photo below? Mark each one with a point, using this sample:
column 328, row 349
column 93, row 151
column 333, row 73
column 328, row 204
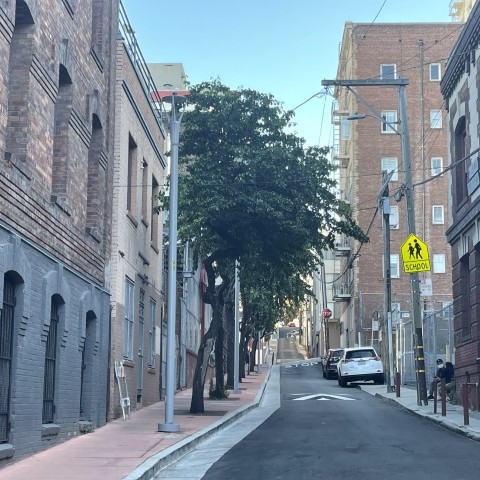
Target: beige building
column 137, row 290
column 363, row 148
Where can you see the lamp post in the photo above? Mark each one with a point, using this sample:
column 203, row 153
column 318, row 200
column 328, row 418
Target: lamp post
column 236, row 345
column 177, row 102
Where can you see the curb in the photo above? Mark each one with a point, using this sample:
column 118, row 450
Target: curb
column 151, row 467
column 461, row 430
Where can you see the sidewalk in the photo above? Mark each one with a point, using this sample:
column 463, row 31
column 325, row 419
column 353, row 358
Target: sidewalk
column 408, row 400
column 134, row 449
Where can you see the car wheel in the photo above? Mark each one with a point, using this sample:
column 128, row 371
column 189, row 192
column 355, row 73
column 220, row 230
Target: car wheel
column 380, row 380
column 342, row 382
column 328, row 375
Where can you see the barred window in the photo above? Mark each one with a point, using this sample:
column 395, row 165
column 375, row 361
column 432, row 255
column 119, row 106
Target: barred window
column 50, row 366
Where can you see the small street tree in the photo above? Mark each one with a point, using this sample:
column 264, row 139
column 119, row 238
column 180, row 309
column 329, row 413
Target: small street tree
column 251, row 191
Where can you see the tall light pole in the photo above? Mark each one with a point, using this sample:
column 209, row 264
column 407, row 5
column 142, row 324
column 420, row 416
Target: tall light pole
column 177, row 102
column 236, row 345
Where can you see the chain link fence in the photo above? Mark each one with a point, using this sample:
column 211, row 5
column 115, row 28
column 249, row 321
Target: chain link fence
column 437, row 343
column 438, row 333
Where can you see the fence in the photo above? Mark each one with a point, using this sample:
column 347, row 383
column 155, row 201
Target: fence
column 437, row 343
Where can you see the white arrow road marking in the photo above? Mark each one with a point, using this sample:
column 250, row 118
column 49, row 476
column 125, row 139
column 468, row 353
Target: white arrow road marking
column 323, row 396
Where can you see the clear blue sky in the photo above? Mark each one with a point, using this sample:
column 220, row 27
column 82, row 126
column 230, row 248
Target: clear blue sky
column 281, row 47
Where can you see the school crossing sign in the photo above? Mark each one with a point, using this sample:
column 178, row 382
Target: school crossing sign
column 415, row 255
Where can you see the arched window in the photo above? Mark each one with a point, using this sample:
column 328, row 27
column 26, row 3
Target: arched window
column 6, row 348
column 50, row 365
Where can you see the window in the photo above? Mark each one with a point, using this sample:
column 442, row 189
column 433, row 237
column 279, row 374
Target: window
column 128, row 323
column 393, row 218
column 345, row 129
column 145, row 188
column 435, row 72
column 435, row 119
column 390, row 164
column 152, row 332
column 437, row 165
column 132, row 175
column 437, row 215
column 438, row 263
column 6, row 341
column 465, row 299
column 460, row 177
column 388, row 71
column 50, row 366
column 389, row 117
column 154, row 216
column 394, row 266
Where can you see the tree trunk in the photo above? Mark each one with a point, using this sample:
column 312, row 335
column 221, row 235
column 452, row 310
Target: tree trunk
column 230, row 331
column 219, row 391
column 198, row 384
column 252, row 354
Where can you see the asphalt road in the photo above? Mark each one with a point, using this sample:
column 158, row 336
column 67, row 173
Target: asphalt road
column 321, row 431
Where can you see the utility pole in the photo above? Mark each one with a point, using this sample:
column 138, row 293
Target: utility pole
column 403, row 131
column 414, row 283
column 384, row 201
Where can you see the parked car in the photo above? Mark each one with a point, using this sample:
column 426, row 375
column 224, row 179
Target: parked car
column 292, row 334
column 360, row 363
column 330, row 361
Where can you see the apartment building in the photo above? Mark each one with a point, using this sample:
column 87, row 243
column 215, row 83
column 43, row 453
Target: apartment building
column 460, row 89
column 369, row 143
column 56, row 120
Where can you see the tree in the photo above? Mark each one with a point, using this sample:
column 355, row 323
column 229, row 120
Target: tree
column 251, row 191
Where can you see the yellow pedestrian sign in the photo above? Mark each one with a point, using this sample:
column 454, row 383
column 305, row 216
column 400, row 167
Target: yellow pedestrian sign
column 415, row 255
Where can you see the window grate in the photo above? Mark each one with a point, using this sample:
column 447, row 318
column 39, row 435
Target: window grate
column 6, row 340
column 50, row 363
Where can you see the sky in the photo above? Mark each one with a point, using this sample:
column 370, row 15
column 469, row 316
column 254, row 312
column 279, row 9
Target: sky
column 285, row 48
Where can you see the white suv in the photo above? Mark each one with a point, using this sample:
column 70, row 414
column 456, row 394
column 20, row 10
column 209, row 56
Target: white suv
column 360, row 363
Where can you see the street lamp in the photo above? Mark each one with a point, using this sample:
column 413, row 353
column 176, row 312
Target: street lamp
column 177, row 102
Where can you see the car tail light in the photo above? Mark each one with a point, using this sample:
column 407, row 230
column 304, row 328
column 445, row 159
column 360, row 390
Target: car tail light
column 376, row 358
column 346, row 360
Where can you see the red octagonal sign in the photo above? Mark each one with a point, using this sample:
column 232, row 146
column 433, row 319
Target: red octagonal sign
column 326, row 313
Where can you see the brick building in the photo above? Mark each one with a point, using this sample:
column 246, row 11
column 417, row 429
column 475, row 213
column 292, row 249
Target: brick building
column 366, row 147
column 460, row 89
column 137, row 231
column 56, row 119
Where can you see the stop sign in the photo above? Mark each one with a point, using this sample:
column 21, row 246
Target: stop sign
column 326, row 313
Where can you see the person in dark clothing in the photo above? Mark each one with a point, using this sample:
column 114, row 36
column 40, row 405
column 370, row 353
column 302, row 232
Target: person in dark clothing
column 436, row 378
column 448, row 373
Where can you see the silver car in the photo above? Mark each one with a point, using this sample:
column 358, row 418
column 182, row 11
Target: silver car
column 360, row 364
